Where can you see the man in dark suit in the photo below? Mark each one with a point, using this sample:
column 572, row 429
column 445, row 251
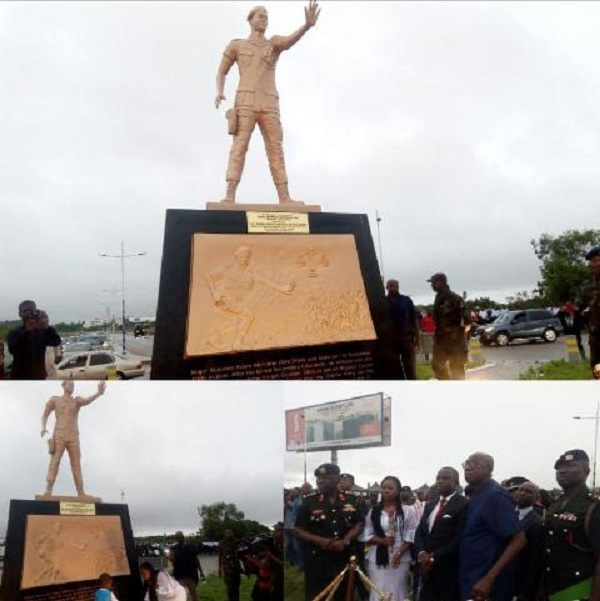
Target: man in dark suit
column 529, row 562
column 437, row 539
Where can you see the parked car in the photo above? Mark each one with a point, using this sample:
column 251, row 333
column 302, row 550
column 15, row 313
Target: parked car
column 528, row 324
column 95, row 365
column 77, row 347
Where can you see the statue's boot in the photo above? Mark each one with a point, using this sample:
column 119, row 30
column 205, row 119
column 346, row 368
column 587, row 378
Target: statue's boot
column 284, row 196
column 230, row 191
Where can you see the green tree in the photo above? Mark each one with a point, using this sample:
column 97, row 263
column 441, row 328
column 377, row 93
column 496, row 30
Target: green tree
column 483, row 302
column 218, row 517
column 525, row 300
column 564, row 271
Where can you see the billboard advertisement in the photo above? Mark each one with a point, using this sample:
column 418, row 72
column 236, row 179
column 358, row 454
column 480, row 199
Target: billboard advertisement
column 348, row 424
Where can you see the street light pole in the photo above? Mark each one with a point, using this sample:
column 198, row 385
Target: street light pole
column 122, row 257
column 596, row 418
column 304, row 429
column 378, row 220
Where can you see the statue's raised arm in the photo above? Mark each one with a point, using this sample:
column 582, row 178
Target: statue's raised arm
column 90, row 399
column 311, row 14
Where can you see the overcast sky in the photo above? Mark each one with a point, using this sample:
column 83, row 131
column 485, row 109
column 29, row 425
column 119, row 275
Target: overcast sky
column 471, row 127
column 525, row 426
column 169, row 447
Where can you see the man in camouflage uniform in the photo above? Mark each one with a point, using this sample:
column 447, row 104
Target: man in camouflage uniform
column 593, row 301
column 572, row 534
column 449, row 340
column 229, row 565
column 328, row 521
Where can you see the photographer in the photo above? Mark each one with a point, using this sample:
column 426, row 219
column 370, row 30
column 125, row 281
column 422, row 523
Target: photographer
column 28, row 344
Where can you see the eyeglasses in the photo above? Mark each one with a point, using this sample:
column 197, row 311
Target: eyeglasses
column 469, row 463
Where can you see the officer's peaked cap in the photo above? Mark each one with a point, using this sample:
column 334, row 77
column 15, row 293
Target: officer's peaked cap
column 569, row 456
column 593, row 252
column 327, row 469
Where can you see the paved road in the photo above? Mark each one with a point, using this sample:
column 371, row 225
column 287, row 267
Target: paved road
column 209, row 563
column 504, row 363
column 137, row 349
column 510, row 361
column 141, row 347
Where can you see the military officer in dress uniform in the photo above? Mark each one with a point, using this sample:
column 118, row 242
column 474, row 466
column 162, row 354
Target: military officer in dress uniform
column 572, row 534
column 327, row 522
column 451, row 321
column 593, row 302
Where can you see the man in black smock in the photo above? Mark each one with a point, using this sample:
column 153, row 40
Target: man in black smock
column 27, row 344
column 327, row 522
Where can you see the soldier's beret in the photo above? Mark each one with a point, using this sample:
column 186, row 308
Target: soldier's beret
column 593, row 252
column 438, row 276
column 327, row 469
column 514, row 482
column 569, row 456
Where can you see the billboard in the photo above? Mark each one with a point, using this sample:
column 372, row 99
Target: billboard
column 348, row 424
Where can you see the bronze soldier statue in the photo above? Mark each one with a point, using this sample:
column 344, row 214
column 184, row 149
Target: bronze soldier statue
column 66, row 433
column 256, row 99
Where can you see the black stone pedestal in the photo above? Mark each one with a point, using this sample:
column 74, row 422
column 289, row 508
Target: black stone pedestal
column 356, row 359
column 126, row 587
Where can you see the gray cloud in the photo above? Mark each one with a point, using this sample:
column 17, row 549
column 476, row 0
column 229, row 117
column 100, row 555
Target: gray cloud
column 470, row 127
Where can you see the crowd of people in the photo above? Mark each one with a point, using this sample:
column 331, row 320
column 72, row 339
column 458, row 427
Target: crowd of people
column 444, row 333
column 507, row 541
column 260, row 556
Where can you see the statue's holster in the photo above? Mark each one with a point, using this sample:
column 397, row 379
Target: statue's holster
column 232, row 121
column 51, row 446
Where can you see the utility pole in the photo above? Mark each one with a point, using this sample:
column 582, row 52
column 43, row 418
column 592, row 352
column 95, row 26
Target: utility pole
column 122, row 257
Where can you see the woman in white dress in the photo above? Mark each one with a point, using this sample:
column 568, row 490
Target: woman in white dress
column 159, row 585
column 390, row 532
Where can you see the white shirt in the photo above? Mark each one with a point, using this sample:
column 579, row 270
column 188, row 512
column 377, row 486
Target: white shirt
column 436, row 510
column 167, row 588
column 523, row 512
column 405, row 534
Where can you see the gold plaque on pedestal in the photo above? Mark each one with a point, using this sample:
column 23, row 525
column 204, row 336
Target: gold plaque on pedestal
column 70, row 508
column 277, row 223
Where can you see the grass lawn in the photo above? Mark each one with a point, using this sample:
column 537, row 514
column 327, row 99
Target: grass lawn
column 214, row 589
column 558, row 370
column 425, row 371
column 293, row 583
